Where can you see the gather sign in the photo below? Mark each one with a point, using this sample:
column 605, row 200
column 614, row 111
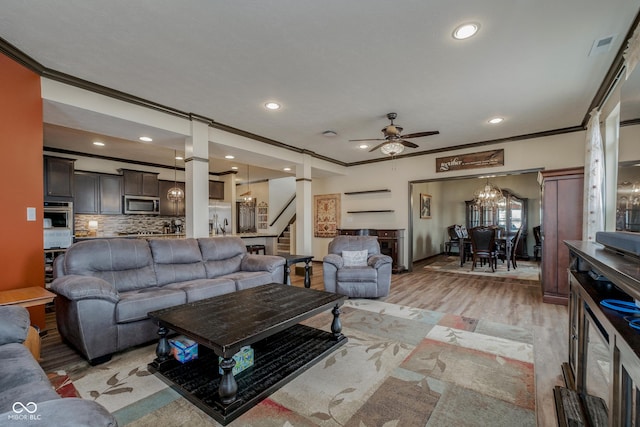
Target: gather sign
column 483, row 159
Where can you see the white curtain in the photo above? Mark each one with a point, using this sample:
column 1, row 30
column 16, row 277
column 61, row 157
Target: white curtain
column 632, row 52
column 593, row 217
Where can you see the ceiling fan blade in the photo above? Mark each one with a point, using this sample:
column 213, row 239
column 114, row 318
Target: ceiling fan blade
column 407, row 143
column 368, row 139
column 378, row 146
column 419, row 134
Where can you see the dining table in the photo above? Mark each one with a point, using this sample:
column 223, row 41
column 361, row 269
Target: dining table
column 507, row 242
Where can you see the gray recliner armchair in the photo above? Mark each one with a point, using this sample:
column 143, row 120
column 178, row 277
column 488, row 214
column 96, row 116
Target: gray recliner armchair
column 355, row 267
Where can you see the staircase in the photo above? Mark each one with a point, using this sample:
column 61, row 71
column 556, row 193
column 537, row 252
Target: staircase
column 284, row 242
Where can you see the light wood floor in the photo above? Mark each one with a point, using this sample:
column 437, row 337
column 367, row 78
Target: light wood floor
column 511, row 302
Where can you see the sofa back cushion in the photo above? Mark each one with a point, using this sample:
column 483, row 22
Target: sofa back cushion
column 222, row 255
column 176, row 260
column 125, row 263
column 354, row 243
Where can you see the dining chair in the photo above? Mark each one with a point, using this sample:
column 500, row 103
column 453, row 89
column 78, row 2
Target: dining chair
column 537, row 248
column 514, row 247
column 483, row 240
column 454, row 239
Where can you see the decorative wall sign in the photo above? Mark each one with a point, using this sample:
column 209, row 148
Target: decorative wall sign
column 326, row 214
column 425, row 205
column 484, row 159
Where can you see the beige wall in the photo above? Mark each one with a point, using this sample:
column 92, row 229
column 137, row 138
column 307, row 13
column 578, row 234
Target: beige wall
column 553, row 152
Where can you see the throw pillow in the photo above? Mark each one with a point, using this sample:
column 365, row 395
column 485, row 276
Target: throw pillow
column 355, row 258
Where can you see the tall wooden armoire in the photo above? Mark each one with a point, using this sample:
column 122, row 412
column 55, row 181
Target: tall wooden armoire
column 561, row 219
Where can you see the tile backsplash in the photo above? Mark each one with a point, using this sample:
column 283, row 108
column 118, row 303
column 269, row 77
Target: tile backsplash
column 112, row 225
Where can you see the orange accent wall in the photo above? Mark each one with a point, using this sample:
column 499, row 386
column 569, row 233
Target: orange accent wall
column 21, row 179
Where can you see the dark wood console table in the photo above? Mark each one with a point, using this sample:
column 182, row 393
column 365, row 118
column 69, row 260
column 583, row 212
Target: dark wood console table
column 602, row 375
column 391, row 243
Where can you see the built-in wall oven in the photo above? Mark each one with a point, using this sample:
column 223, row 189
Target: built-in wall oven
column 58, row 224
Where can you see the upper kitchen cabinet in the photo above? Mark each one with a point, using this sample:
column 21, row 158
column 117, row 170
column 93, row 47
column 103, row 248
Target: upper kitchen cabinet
column 58, row 178
column 138, row 183
column 216, row 190
column 167, row 207
column 97, row 193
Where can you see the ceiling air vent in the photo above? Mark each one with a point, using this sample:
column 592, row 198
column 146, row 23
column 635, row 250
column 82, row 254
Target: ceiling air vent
column 602, row 45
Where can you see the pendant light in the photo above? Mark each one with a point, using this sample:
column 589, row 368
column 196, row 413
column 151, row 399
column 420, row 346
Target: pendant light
column 175, row 193
column 489, row 195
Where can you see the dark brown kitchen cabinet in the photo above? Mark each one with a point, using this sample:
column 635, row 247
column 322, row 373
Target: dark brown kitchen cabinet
column 561, row 219
column 139, row 183
column 97, row 193
column 167, row 207
column 58, row 178
column 216, row 190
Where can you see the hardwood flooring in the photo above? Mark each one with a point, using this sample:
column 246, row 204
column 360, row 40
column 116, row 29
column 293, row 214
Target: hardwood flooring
column 507, row 301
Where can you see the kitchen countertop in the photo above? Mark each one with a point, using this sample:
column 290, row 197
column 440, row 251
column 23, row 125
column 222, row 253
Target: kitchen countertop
column 171, row 235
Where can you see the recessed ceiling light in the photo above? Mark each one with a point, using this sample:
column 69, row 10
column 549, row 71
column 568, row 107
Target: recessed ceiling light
column 98, row 143
column 496, row 120
column 145, row 139
column 465, row 31
column 363, row 146
column 229, row 156
column 234, row 168
column 179, row 158
column 287, row 169
column 271, row 105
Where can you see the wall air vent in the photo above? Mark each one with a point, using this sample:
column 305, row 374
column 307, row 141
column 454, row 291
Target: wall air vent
column 602, row 45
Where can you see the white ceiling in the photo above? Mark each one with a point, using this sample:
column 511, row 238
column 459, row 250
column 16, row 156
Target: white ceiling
column 334, row 65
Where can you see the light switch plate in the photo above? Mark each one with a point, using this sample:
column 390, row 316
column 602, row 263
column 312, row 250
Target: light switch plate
column 31, row 214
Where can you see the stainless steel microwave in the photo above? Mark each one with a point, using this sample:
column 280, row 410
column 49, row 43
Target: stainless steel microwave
column 141, row 205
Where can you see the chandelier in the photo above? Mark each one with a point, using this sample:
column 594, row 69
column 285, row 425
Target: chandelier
column 489, row 195
column 175, row 193
column 247, row 201
column 392, row 148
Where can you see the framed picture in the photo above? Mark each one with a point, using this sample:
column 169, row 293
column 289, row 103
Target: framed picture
column 326, row 213
column 425, row 205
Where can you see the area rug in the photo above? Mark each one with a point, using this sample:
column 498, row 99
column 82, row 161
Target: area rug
column 402, row 366
column 527, row 270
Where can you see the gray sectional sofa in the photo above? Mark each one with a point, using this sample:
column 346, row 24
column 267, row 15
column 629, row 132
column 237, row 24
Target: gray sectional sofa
column 106, row 287
column 27, row 398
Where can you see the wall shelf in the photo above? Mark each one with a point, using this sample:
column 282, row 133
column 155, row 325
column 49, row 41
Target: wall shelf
column 371, row 211
column 349, row 193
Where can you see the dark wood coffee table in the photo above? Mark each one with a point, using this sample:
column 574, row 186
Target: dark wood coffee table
column 267, row 318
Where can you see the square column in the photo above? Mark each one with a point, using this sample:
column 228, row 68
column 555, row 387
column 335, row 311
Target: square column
column 304, row 208
column 197, row 179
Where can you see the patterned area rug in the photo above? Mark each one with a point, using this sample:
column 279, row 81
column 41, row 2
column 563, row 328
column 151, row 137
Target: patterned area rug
column 527, row 270
column 401, row 367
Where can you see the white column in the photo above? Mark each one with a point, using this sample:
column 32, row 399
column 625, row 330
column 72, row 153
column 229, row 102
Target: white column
column 197, row 179
column 304, row 207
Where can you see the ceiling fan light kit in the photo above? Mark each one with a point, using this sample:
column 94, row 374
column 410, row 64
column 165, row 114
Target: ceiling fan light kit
column 394, row 142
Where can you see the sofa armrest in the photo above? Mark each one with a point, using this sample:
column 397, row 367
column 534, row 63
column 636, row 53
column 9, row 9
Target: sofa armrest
column 252, row 262
column 14, row 324
column 68, row 412
column 334, row 259
column 378, row 260
column 75, row 287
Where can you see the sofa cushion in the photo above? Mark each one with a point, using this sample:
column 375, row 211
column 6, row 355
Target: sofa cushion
column 176, row 260
column 222, row 255
column 357, row 274
column 249, row 279
column 14, row 324
column 196, row 290
column 355, row 258
column 134, row 305
column 125, row 263
column 354, row 243
column 21, row 378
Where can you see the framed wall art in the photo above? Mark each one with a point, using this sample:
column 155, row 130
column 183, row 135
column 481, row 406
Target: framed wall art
column 326, row 214
column 425, row 206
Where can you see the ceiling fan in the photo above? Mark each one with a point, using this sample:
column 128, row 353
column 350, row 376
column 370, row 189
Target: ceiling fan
column 394, row 141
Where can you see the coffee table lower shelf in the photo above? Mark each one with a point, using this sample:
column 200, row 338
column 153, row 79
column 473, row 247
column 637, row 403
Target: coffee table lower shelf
column 277, row 360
